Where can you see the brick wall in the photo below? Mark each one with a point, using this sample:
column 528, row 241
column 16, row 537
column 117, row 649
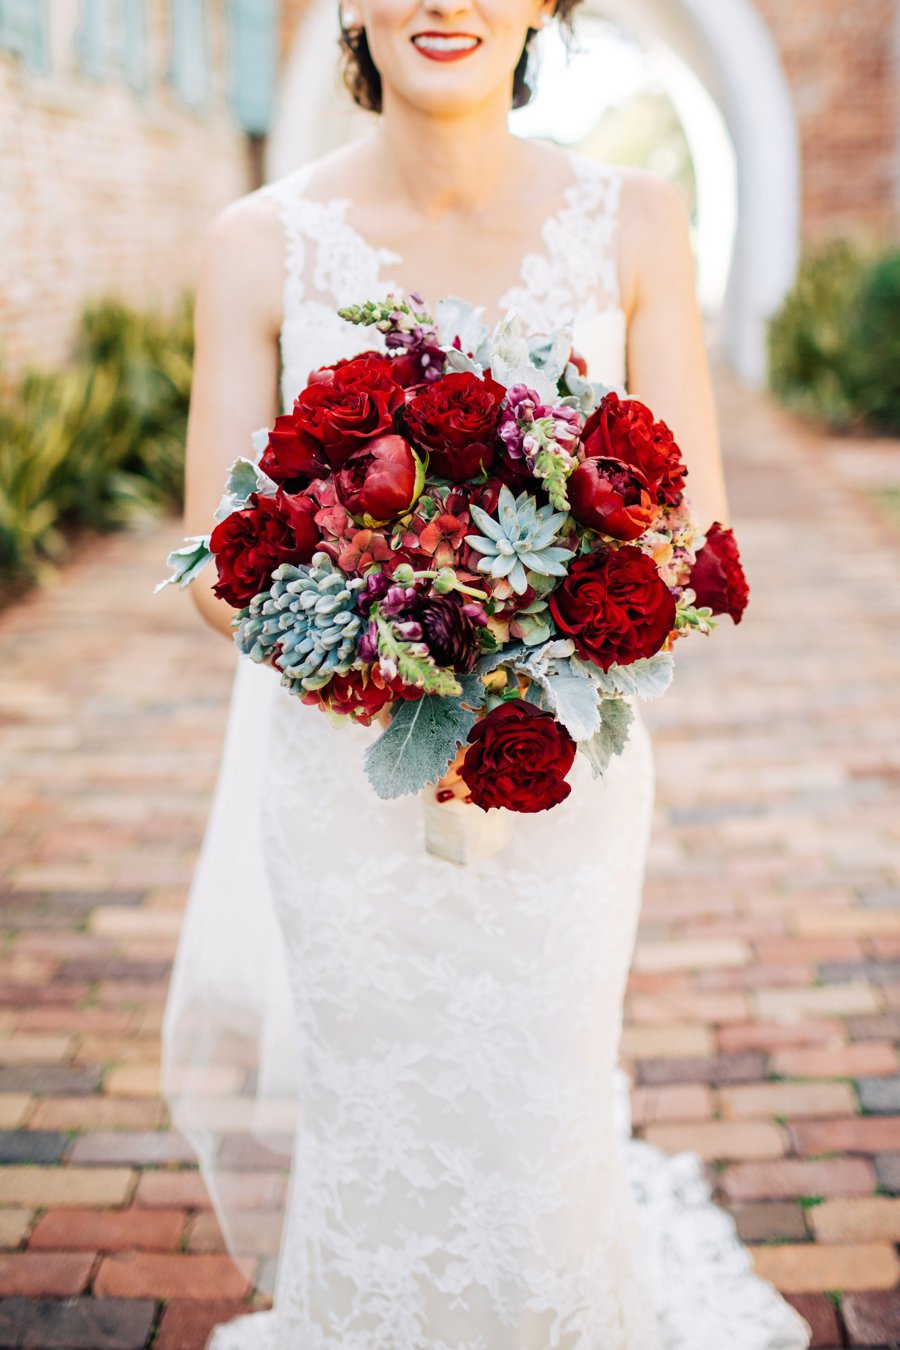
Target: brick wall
column 105, row 190
column 843, row 66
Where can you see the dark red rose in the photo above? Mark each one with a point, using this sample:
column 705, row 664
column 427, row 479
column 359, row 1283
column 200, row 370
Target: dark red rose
column 380, row 480
column 455, row 420
column 611, row 497
column 332, row 417
column 326, row 372
column 717, row 576
column 249, row 544
column 614, row 606
column 624, row 429
column 518, row 757
column 291, row 454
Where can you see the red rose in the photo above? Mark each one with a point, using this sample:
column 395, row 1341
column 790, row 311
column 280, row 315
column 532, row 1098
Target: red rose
column 249, row 544
column 624, row 429
column 325, row 372
column 455, row 420
column 380, row 480
column 717, row 576
column 332, row 417
column 518, row 757
column 611, row 497
column 615, row 606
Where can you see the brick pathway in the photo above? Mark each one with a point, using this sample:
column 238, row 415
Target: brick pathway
column 765, row 1001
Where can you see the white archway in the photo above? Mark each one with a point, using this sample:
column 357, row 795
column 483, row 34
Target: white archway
column 730, row 50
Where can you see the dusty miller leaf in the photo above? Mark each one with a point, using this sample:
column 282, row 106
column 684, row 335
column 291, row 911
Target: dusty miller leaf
column 615, row 720
column 648, row 678
column 187, row 562
column 418, row 745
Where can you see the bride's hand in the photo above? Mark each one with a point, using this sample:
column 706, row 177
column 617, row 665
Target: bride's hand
column 451, row 785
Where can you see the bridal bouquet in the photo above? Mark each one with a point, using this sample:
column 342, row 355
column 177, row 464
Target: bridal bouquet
column 462, row 528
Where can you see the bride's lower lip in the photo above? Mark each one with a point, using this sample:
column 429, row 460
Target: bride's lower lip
column 435, row 55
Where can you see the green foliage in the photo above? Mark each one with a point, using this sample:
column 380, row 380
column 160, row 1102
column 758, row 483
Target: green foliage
column 877, row 343
column 97, row 443
column 419, row 743
column 834, row 346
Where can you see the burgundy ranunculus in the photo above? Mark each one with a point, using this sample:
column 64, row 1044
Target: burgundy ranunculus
column 614, row 606
column 360, row 694
column 336, row 413
column 717, row 576
column 249, row 544
column 518, row 757
column 611, row 497
column 455, row 420
column 380, row 480
column 450, row 633
column 624, row 429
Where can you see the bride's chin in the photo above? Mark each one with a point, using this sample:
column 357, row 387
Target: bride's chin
column 438, row 97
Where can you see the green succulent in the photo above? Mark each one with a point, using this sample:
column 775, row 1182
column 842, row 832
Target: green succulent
column 310, row 614
column 520, row 540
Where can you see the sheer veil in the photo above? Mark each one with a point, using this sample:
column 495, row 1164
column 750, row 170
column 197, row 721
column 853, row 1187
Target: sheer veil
column 229, row 1058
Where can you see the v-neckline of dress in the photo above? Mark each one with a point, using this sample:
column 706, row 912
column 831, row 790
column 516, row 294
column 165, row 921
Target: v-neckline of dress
column 538, row 260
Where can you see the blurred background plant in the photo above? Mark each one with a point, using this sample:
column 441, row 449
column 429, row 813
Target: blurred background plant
column 834, row 345
column 98, row 443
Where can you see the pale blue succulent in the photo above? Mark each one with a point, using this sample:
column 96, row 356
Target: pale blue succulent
column 520, row 541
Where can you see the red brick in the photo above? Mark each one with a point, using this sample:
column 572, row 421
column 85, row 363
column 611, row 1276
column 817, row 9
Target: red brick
column 109, row 1230
column 172, row 1190
column 856, row 1134
column 786, row 1177
column 821, row 1315
column 186, row 1324
column 872, row 1317
column 36, row 1273
column 863, row 1058
column 149, row 1275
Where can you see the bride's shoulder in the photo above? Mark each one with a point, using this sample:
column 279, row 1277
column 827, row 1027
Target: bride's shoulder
column 654, row 232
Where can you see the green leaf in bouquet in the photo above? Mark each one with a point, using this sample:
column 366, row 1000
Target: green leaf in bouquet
column 550, row 352
column 510, row 359
column 244, row 477
column 647, row 678
column 457, row 318
column 416, row 748
column 187, row 562
column 616, row 717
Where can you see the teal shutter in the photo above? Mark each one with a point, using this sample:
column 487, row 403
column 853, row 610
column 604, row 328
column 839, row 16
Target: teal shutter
column 253, row 59
column 23, row 30
column 134, row 44
column 90, row 39
column 188, row 71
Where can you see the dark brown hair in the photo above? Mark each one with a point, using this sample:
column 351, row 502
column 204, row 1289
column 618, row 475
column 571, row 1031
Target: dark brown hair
column 361, row 76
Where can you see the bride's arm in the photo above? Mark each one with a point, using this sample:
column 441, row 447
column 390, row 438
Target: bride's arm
column 668, row 367
column 237, row 316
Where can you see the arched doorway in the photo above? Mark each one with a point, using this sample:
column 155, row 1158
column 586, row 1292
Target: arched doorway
column 726, row 46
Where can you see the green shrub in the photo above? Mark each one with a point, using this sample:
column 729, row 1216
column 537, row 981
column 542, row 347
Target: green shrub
column 809, row 339
column 834, row 345
column 100, row 442
column 877, row 343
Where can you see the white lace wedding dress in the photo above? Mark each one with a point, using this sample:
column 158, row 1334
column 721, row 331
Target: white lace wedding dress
column 435, row 1046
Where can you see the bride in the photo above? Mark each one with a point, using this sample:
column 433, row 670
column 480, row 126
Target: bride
column 429, row 1050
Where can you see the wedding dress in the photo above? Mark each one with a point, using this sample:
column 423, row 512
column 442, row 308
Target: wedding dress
column 433, row 1047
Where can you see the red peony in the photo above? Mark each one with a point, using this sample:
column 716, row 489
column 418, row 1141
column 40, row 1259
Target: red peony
column 615, row 606
column 624, row 429
column 612, row 497
column 249, row 544
column 333, row 416
column 518, row 757
column 380, row 480
column 455, row 420
column 717, row 576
